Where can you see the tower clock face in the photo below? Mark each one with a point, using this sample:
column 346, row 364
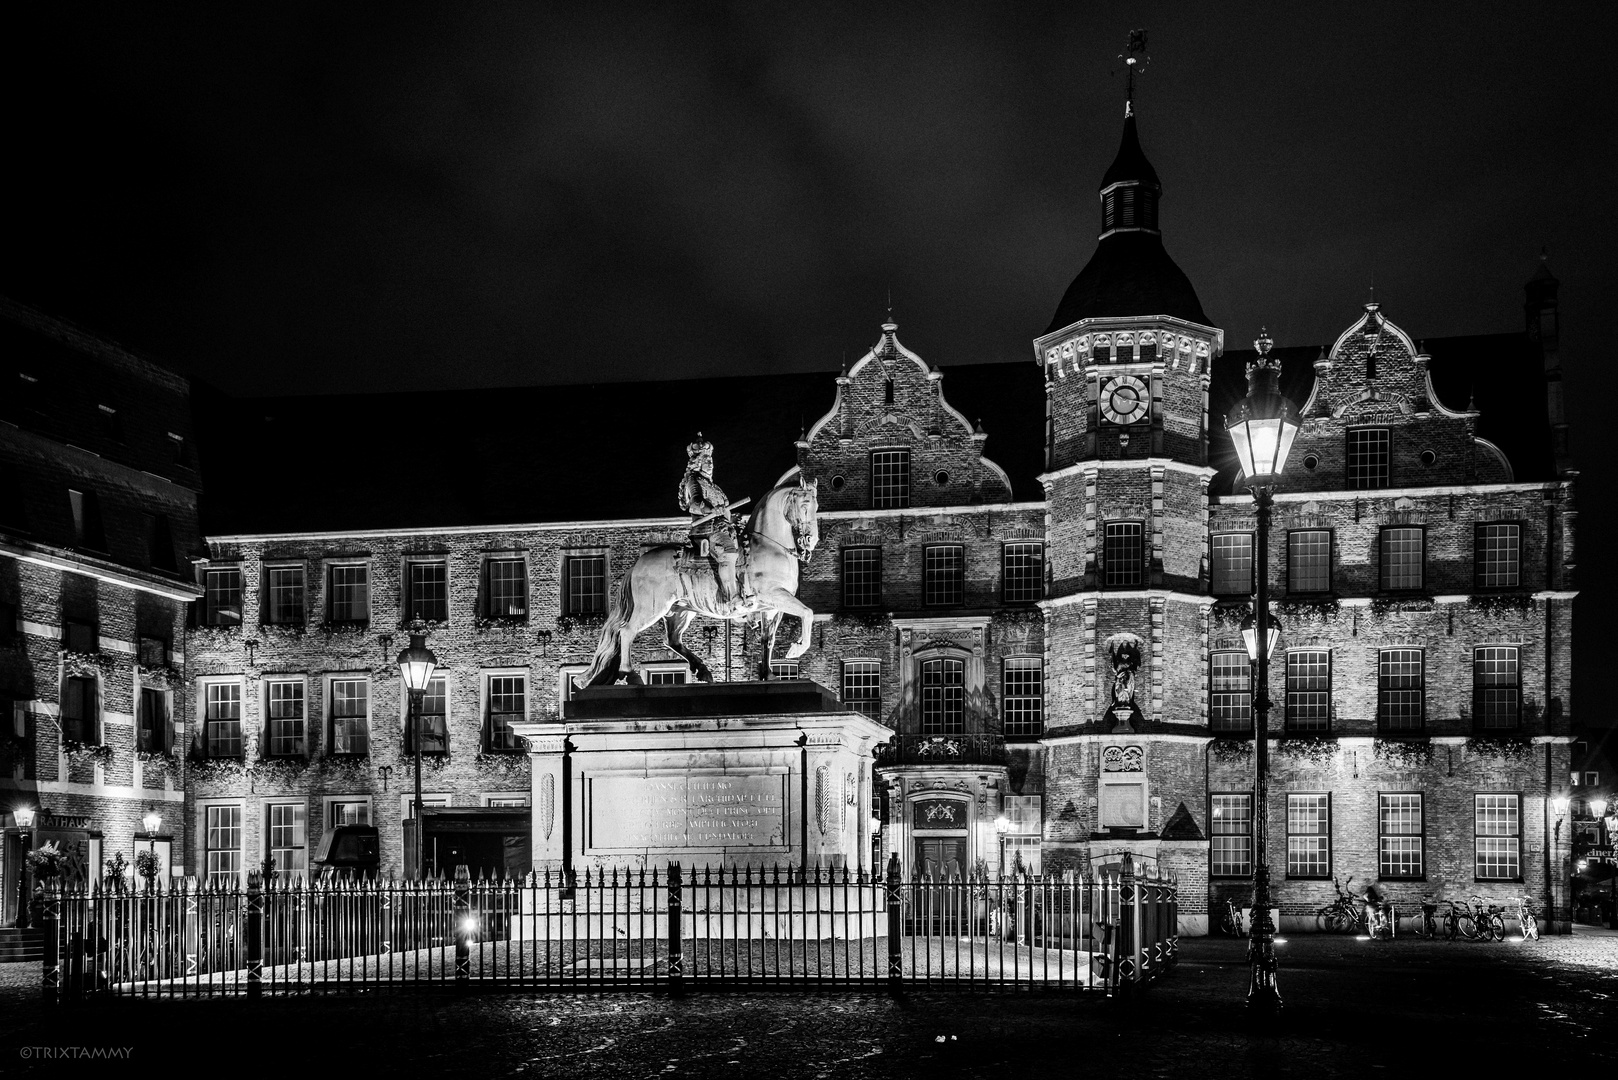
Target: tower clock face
column 1124, row 400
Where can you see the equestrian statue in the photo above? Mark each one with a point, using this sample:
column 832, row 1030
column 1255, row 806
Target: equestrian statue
column 728, row 570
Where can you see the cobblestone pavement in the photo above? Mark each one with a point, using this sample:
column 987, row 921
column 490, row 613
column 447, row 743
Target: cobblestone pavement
column 1354, row 1008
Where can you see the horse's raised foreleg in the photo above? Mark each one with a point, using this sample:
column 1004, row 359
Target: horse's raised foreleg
column 782, row 602
column 674, row 625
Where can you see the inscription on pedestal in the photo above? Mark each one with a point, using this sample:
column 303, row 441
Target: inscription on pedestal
column 674, row 811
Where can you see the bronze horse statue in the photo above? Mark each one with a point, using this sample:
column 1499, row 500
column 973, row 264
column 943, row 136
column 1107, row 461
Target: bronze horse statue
column 665, row 584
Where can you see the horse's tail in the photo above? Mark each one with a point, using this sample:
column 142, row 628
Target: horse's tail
column 605, row 666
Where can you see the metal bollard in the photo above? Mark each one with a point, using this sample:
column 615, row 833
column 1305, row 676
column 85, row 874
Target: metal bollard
column 676, row 946
column 463, row 926
column 255, row 934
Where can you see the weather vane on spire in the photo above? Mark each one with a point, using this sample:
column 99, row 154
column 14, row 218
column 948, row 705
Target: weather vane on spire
column 1135, row 61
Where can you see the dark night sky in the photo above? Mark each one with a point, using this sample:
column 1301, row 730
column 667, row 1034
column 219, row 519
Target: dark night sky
column 288, row 199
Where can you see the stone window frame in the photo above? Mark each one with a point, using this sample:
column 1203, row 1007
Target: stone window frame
column 875, row 584
column 1027, row 662
column 1218, row 690
column 1331, row 551
column 206, row 848
column 164, row 734
column 268, row 568
column 406, row 741
column 328, row 802
column 1323, row 838
column 564, row 685
column 407, row 601
column 208, row 610
column 1508, row 832
column 486, row 676
column 429, row 800
column 875, row 699
column 564, row 576
column 1384, row 704
column 511, row 799
column 330, row 717
column 204, row 735
column 1233, row 585
column 1481, row 686
column 1383, row 835
column 1219, row 867
column 485, row 589
column 943, row 585
column 266, row 821
column 894, row 495
column 1136, row 576
column 328, row 569
column 943, row 658
column 266, row 696
column 1032, row 587
column 656, row 668
column 1480, row 552
column 94, row 731
column 1385, row 567
column 1290, row 722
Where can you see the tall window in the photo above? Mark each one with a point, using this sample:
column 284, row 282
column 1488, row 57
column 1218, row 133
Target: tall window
column 1309, row 560
column 1230, row 701
column 350, row 593
column 506, row 586
column 943, row 575
column 862, row 687
column 1231, row 844
column 287, row 841
column 79, row 708
column 1496, row 687
column 1403, row 555
column 1023, row 690
column 1497, row 836
column 1232, row 564
column 1497, row 556
column 1368, row 458
column 586, row 580
column 1122, row 553
column 890, row 479
column 283, row 595
column 222, row 597
column 862, row 577
column 434, row 721
column 1024, row 815
column 428, row 583
column 943, row 697
column 1308, row 836
column 286, row 718
column 222, row 720
column 223, row 829
column 350, row 714
column 1399, row 836
column 152, row 722
column 88, row 530
column 1401, row 689
column 1022, row 572
column 80, row 636
column 1308, row 690
column 508, row 703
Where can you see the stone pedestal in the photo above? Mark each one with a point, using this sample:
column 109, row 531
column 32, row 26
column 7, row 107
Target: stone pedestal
column 737, row 774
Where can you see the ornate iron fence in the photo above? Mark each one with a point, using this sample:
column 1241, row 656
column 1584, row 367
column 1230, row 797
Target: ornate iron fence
column 633, row 929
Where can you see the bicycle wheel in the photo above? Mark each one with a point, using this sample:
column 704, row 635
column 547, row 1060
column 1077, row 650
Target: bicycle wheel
column 1345, row 920
column 1497, row 927
column 1466, row 926
column 1530, row 926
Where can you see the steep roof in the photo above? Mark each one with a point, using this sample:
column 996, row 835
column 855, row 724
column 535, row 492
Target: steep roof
column 1130, row 163
column 1130, row 273
column 585, row 452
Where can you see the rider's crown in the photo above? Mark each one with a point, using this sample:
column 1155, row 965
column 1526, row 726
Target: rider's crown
column 701, row 448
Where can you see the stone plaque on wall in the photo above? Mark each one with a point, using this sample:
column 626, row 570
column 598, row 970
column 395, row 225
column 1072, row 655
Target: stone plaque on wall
column 687, row 811
column 1123, row 806
column 938, row 814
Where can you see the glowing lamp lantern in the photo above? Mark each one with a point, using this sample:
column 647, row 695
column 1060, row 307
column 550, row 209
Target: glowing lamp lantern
column 1250, row 637
column 1559, row 805
column 1598, row 808
column 416, row 664
column 153, row 821
column 1264, row 423
column 24, row 816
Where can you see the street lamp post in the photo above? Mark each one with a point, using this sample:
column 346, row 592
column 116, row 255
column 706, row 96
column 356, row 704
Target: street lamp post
column 25, row 826
column 1262, row 428
column 416, row 669
column 1002, row 825
column 153, row 821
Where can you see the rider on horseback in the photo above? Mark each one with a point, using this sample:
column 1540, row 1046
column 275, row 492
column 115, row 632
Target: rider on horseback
column 711, row 522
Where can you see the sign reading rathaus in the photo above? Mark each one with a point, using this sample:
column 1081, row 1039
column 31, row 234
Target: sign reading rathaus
column 1036, row 614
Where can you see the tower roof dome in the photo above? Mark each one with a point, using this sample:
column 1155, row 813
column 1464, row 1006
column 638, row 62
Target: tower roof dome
column 1130, row 273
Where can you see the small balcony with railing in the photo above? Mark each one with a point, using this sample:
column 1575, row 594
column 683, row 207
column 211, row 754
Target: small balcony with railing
column 977, row 748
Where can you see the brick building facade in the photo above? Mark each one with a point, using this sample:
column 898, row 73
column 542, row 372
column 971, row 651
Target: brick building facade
column 98, row 521
column 1048, row 616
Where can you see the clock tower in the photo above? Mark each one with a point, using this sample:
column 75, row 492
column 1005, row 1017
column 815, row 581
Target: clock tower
column 1127, row 360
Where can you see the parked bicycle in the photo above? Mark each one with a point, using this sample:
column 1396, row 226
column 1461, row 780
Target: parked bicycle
column 1527, row 917
column 1476, row 921
column 1341, row 916
column 1430, row 924
column 1231, row 922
